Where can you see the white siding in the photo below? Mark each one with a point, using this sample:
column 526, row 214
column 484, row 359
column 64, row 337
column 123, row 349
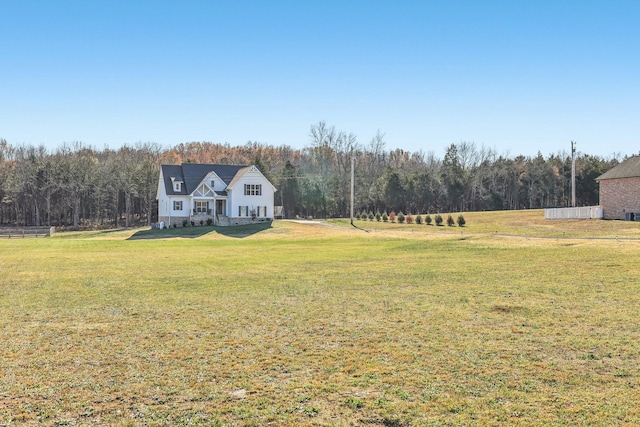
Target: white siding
column 237, row 197
column 218, row 184
column 165, row 206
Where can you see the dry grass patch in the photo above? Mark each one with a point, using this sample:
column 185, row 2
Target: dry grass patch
column 303, row 325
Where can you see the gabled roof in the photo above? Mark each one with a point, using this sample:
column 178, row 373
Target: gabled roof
column 238, row 176
column 627, row 169
column 243, row 171
column 192, row 174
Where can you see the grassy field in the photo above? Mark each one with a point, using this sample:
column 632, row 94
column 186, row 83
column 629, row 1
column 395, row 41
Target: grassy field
column 510, row 320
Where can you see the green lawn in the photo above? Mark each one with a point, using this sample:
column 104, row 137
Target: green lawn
column 297, row 324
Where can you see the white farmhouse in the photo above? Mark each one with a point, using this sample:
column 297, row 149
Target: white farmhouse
column 215, row 194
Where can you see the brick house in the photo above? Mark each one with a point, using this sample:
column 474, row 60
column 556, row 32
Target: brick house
column 620, row 190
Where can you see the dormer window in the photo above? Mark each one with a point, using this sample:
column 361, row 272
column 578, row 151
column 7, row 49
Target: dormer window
column 177, row 184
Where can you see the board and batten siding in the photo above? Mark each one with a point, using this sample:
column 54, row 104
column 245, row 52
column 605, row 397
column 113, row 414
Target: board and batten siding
column 237, row 197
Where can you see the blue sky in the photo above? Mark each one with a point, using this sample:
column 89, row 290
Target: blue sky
column 516, row 76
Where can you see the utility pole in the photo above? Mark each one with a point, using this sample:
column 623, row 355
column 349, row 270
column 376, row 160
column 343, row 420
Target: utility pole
column 353, row 166
column 573, row 174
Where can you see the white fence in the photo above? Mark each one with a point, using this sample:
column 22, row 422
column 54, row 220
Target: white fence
column 585, row 212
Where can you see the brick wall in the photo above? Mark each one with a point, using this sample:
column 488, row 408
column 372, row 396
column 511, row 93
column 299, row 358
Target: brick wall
column 619, row 196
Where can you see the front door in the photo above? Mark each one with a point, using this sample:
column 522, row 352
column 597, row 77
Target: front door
column 221, row 207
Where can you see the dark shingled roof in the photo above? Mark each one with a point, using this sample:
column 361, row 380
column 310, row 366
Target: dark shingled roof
column 192, row 174
column 628, row 169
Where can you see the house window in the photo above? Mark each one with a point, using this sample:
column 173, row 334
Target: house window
column 253, row 189
column 243, row 210
column 177, row 186
column 177, row 205
column 201, row 206
column 212, row 184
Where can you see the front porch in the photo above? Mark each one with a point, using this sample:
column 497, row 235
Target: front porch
column 207, row 217
column 203, row 214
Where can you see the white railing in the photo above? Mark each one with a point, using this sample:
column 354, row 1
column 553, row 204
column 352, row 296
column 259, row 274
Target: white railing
column 584, row 212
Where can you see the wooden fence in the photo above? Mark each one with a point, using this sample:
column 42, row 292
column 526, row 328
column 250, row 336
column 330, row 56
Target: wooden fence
column 24, row 232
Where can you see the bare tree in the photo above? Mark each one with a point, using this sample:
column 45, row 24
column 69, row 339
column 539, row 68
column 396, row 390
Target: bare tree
column 77, row 167
column 5, row 156
column 322, row 157
column 147, row 177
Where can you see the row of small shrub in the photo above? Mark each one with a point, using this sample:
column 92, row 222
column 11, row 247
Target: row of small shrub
column 410, row 219
column 186, row 223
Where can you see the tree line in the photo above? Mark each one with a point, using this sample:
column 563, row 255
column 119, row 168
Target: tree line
column 77, row 185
